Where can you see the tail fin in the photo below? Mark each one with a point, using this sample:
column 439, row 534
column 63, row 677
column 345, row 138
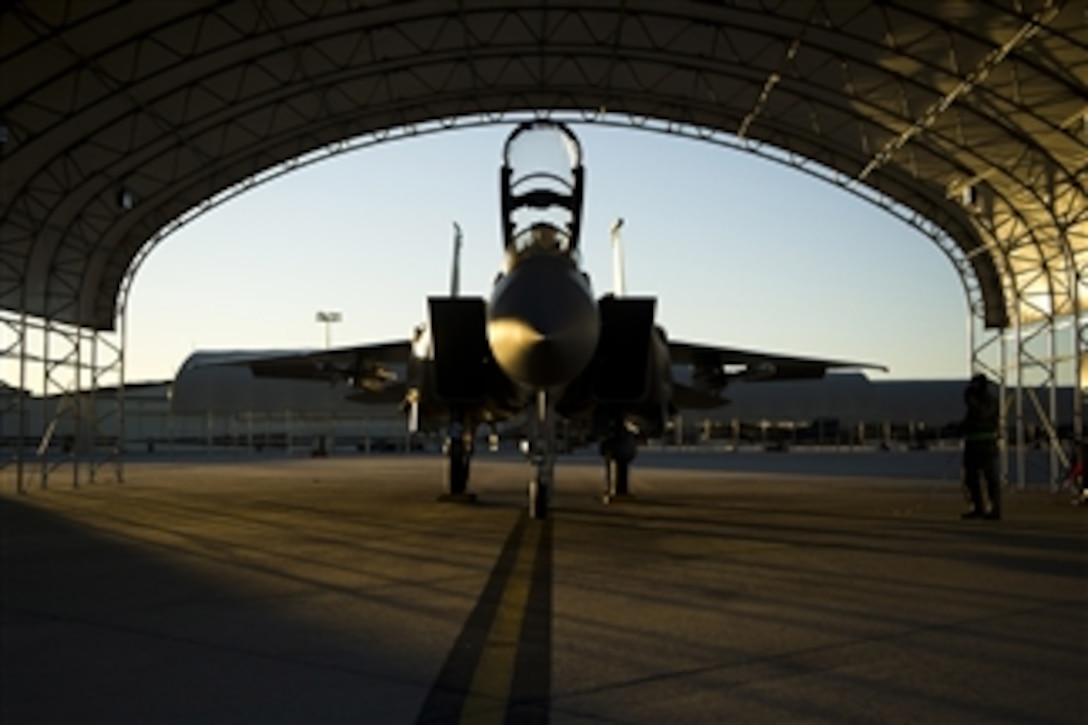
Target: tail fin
column 455, row 273
column 618, row 287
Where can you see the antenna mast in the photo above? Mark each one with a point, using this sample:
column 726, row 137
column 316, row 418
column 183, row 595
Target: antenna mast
column 455, row 273
column 618, row 286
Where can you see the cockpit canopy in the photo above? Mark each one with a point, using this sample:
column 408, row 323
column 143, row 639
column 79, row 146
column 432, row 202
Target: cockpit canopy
column 542, row 181
column 542, row 238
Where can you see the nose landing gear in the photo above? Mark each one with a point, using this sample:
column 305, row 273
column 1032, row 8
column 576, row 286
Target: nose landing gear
column 541, row 453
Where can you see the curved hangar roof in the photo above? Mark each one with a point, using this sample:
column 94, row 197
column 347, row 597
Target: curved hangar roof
column 117, row 117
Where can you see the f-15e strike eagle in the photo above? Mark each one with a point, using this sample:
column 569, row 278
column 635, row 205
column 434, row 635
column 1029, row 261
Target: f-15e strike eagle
column 542, row 345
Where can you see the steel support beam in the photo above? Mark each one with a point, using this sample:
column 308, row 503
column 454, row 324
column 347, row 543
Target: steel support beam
column 57, row 412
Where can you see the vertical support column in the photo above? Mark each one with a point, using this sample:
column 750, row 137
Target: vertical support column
column 988, row 350
column 1004, row 468
column 90, row 428
column 1054, row 447
column 47, row 431
column 50, row 407
column 1018, row 402
column 61, row 400
column 1038, row 366
column 1080, row 345
column 106, row 413
column 14, row 402
column 1079, row 445
column 76, row 396
column 1073, row 235
column 21, row 440
column 122, row 369
column 1068, row 209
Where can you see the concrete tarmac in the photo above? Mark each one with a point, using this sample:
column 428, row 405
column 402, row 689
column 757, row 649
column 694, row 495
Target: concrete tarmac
column 339, row 590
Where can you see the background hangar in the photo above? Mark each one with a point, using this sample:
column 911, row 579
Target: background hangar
column 121, row 122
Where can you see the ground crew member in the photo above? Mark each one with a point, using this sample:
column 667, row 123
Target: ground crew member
column 980, row 449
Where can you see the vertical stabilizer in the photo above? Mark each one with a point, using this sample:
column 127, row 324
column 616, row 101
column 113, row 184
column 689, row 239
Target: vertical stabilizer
column 618, row 285
column 455, row 272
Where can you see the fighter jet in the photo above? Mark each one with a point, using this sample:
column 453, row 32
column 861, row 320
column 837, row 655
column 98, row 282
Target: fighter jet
column 542, row 345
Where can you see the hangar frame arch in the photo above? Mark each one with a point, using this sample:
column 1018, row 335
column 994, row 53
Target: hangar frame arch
column 115, row 121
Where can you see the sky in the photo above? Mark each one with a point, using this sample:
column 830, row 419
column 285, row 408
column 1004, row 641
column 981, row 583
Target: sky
column 739, row 251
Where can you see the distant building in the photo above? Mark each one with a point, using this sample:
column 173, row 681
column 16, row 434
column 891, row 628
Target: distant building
column 851, row 405
column 213, row 398
column 213, row 403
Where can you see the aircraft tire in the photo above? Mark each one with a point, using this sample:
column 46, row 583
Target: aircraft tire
column 538, row 500
column 621, row 476
column 457, row 468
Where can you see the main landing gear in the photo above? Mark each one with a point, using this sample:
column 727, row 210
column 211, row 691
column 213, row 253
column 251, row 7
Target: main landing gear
column 619, row 450
column 458, row 450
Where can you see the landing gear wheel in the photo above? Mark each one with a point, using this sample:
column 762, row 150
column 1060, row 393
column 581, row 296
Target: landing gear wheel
column 619, row 472
column 618, row 451
column 538, row 499
column 456, row 468
column 458, row 458
column 541, row 451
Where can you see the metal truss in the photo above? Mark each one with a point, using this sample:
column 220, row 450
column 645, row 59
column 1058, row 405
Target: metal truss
column 75, row 420
column 822, row 79
column 796, row 161
column 1038, row 236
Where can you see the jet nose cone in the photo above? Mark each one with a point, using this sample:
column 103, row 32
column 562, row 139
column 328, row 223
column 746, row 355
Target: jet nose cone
column 534, row 355
column 543, row 325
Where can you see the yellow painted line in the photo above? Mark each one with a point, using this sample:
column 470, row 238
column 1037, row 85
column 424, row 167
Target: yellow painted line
column 490, row 690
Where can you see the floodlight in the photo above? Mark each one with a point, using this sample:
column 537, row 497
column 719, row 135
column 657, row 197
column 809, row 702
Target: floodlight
column 125, row 199
column 328, row 318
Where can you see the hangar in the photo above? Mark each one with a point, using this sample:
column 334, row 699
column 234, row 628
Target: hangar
column 120, row 123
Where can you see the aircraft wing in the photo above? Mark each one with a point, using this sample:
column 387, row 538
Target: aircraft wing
column 364, row 366
column 716, row 366
column 392, row 393
column 689, row 398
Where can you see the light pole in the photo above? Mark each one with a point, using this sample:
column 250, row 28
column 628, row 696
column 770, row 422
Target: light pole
column 328, row 318
column 324, row 443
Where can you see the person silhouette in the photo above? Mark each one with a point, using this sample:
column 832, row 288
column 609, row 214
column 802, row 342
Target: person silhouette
column 980, row 425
